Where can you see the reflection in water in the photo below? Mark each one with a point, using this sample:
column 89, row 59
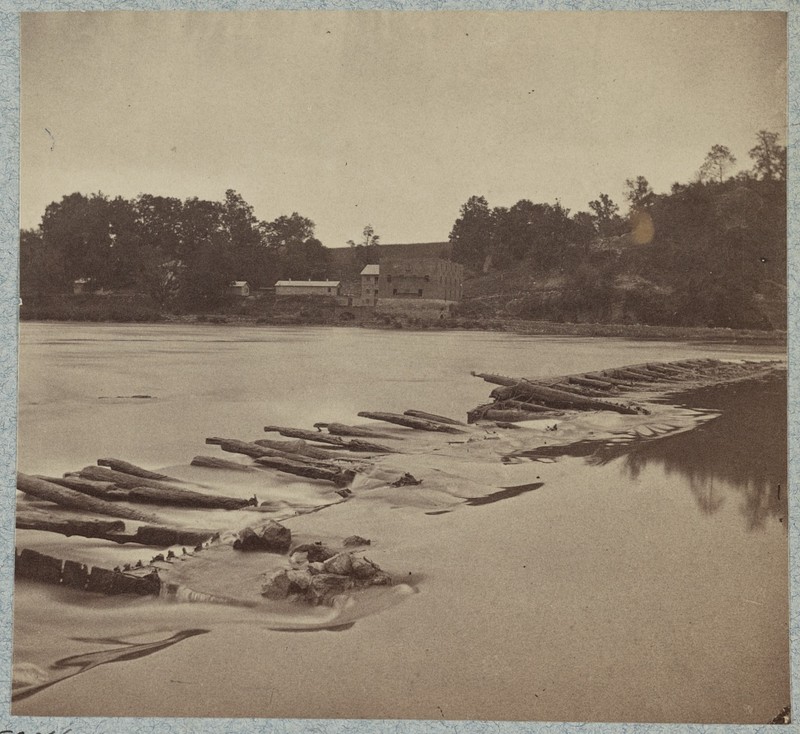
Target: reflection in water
column 743, row 449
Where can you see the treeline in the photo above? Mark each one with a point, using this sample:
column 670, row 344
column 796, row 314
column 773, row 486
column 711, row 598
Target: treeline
column 182, row 253
column 708, row 253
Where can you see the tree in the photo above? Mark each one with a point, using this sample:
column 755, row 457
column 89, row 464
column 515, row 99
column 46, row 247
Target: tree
column 639, row 193
column 366, row 251
column 369, row 238
column 718, row 160
column 606, row 217
column 769, row 158
column 473, row 232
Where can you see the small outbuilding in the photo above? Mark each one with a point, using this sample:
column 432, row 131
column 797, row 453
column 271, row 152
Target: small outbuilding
column 369, row 284
column 238, row 288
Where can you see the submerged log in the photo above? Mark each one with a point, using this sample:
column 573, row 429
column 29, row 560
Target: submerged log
column 214, row 462
column 340, row 477
column 354, row 445
column 433, row 417
column 133, row 470
column 418, row 424
column 40, row 567
column 76, row 500
column 340, row 429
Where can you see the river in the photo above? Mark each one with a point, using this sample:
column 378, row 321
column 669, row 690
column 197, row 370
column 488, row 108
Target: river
column 647, row 585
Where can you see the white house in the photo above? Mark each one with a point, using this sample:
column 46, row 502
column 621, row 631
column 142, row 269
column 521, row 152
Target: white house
column 307, row 288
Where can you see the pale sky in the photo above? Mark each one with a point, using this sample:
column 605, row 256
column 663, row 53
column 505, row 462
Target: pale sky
column 388, row 118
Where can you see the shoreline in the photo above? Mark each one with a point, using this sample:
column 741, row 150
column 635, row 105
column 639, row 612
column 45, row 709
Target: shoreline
column 643, row 332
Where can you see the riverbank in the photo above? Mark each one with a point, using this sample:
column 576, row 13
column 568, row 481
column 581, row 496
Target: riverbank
column 513, row 326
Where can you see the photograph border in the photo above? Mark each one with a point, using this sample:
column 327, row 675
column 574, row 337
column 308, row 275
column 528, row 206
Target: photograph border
column 9, row 304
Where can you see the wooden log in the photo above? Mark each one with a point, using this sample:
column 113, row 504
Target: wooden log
column 605, row 377
column 120, row 479
column 163, row 537
column 560, row 399
column 418, row 424
column 180, row 498
column 508, row 416
column 477, row 413
column 113, row 530
column 497, row 379
column 587, row 392
column 529, row 407
column 433, row 417
column 340, row 477
column 589, row 382
column 159, row 493
column 133, row 470
column 85, row 486
column 76, row 500
column 340, row 429
column 354, row 445
column 26, row 520
column 214, row 462
column 306, row 435
column 235, row 446
column 631, row 375
column 298, row 447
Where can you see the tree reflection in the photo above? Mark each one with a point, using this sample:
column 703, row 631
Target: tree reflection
column 743, row 450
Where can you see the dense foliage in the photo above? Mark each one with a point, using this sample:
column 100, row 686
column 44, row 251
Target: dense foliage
column 709, row 253
column 182, row 252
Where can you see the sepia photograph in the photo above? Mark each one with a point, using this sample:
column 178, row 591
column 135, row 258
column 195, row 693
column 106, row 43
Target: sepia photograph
column 392, row 365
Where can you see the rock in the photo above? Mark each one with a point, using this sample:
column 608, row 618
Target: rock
column 298, row 559
column 364, row 569
column 341, row 564
column 299, row 579
column 276, row 586
column 324, row 586
column 356, row 540
column 316, row 567
column 271, row 537
column 407, row 480
column 381, row 578
column 316, row 551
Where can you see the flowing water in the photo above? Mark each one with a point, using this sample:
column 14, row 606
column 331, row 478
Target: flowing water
column 636, row 580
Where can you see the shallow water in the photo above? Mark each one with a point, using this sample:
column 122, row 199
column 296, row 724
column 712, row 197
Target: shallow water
column 647, row 583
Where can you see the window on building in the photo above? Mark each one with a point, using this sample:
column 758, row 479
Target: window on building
column 420, row 291
column 394, row 292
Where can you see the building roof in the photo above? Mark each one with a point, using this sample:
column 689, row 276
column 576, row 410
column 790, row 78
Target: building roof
column 371, row 270
column 307, row 283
